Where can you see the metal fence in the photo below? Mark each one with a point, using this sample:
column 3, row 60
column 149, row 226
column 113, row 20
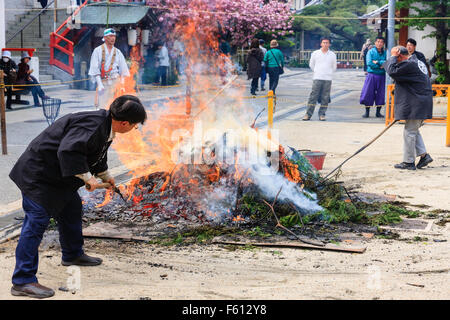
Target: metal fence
column 345, row 59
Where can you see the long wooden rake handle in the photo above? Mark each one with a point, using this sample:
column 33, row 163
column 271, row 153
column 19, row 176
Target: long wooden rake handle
column 362, row 148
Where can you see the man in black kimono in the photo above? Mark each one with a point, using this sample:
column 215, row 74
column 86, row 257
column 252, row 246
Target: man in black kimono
column 413, row 103
column 70, row 153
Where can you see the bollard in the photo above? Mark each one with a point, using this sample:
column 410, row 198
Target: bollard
column 270, row 114
column 3, row 113
column 448, row 118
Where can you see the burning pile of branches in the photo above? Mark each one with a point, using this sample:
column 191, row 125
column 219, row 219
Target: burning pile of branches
column 200, row 193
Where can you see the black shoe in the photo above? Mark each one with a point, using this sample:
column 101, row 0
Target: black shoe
column 379, row 115
column 83, row 260
column 256, row 89
column 366, row 115
column 425, row 160
column 405, row 165
column 262, row 89
column 32, row 290
column 8, row 107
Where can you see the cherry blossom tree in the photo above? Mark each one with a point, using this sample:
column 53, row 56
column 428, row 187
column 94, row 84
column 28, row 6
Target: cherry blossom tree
column 236, row 20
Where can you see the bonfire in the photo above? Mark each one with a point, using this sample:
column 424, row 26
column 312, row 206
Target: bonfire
column 200, row 160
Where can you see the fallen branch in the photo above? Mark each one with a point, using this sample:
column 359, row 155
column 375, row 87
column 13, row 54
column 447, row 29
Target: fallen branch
column 294, row 245
column 279, row 225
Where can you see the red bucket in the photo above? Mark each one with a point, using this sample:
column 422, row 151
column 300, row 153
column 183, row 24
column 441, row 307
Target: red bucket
column 316, row 158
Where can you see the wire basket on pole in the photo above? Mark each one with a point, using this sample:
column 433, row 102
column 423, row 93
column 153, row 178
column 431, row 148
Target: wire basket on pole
column 51, row 109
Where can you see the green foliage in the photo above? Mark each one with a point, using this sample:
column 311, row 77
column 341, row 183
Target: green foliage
column 206, row 233
column 297, row 64
column 174, row 241
column 285, row 43
column 385, row 218
column 389, row 208
column 349, row 30
column 290, row 220
column 253, row 206
column 257, row 232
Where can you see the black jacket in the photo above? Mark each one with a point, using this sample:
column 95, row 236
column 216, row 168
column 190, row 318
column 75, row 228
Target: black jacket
column 413, row 94
column 74, row 144
column 254, row 59
column 7, row 67
column 420, row 56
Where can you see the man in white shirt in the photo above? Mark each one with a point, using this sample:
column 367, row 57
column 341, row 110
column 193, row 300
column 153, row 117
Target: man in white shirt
column 163, row 63
column 107, row 68
column 323, row 64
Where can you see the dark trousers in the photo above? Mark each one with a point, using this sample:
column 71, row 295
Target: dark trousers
column 162, row 75
column 33, row 228
column 274, row 76
column 263, row 76
column 254, row 86
column 36, row 90
column 8, row 97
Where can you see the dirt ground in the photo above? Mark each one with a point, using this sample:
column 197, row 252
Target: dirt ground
column 416, row 266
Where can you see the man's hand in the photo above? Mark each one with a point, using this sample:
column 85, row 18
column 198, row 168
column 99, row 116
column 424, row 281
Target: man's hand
column 112, row 182
column 92, row 184
column 395, row 51
column 100, row 87
column 374, row 61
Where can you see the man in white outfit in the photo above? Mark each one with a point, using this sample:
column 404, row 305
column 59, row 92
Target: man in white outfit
column 323, row 64
column 107, row 68
column 163, row 63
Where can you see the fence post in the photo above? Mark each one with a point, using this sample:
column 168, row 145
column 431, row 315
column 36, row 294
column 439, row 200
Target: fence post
column 3, row 113
column 270, row 114
column 448, row 117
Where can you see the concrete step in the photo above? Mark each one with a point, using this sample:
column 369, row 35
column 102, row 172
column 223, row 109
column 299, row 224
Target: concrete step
column 57, row 87
column 45, row 77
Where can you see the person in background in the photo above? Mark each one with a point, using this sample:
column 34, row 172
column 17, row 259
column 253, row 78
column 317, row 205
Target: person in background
column 274, row 61
column 263, row 65
column 373, row 90
column 413, row 103
column 43, row 3
column 163, row 63
column 323, row 63
column 107, row 68
column 24, row 77
column 9, row 68
column 224, row 59
column 411, row 47
column 254, row 58
column 67, row 155
column 177, row 54
column 365, row 48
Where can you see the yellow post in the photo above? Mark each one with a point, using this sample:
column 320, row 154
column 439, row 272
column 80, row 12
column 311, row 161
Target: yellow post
column 2, row 113
column 270, row 113
column 448, row 118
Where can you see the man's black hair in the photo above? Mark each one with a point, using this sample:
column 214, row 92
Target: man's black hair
column 382, row 38
column 261, row 41
column 403, row 51
column 128, row 108
column 411, row 40
column 325, row 38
